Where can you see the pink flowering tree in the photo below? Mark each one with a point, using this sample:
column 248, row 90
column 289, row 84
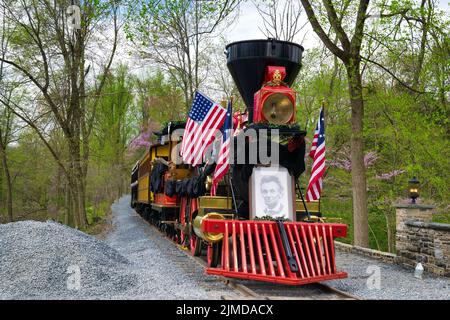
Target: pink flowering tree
column 144, row 138
column 342, row 160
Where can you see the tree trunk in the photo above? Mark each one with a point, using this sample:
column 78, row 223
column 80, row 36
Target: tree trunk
column 74, row 206
column 76, row 184
column 68, row 206
column 2, row 206
column 359, row 189
column 389, row 232
column 8, row 185
column 82, row 204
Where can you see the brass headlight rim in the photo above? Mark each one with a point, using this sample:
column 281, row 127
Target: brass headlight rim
column 289, row 108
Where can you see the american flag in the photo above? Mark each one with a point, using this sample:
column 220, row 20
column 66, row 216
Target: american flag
column 204, row 119
column 318, row 154
column 222, row 163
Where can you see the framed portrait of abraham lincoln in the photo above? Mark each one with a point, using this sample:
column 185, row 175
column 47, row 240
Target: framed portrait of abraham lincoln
column 272, row 193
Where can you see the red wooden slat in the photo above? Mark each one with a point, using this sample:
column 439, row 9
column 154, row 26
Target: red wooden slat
column 268, row 254
column 308, row 251
column 227, row 249
column 313, row 248
column 294, row 250
column 250, row 249
column 300, row 249
column 235, row 257
column 333, row 261
column 243, row 247
column 262, row 267
column 325, row 245
column 276, row 251
column 319, row 245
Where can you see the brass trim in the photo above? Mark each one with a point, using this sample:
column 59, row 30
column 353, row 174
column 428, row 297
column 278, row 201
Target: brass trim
column 207, row 236
column 217, row 202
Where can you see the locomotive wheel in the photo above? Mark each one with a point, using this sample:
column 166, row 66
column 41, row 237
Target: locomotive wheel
column 196, row 245
column 213, row 254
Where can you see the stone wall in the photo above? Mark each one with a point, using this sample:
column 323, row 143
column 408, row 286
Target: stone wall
column 371, row 253
column 420, row 240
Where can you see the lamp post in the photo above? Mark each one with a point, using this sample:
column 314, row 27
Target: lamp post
column 413, row 189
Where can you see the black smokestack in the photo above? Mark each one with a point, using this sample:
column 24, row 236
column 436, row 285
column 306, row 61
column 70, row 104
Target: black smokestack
column 247, row 61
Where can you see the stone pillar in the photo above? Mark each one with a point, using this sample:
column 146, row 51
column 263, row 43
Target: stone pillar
column 418, row 212
column 406, row 239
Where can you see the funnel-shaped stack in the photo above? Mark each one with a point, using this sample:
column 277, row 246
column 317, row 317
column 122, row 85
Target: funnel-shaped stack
column 247, row 61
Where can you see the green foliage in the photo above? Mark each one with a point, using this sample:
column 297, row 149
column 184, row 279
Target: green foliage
column 405, row 130
column 98, row 211
column 159, row 98
column 337, row 210
column 443, row 217
column 116, row 118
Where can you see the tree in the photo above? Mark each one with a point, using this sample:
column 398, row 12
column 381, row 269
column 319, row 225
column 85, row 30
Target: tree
column 176, row 34
column 402, row 121
column 349, row 53
column 49, row 55
column 280, row 18
column 6, row 116
column 115, row 125
column 159, row 98
column 6, row 122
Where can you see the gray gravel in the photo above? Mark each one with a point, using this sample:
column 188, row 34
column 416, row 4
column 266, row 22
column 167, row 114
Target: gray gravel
column 395, row 282
column 164, row 271
column 38, row 259
column 47, row 260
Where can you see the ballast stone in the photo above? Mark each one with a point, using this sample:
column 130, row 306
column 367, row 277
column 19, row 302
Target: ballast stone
column 50, row 260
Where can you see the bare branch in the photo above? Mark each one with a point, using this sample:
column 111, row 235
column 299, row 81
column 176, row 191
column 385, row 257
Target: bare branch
column 395, row 77
column 321, row 33
column 335, row 23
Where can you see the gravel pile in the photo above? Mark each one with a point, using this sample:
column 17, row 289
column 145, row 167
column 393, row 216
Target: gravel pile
column 44, row 259
column 40, row 260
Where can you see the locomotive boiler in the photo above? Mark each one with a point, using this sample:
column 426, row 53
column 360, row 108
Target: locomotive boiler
column 257, row 225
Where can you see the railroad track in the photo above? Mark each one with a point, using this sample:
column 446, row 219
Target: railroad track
column 256, row 290
column 268, row 291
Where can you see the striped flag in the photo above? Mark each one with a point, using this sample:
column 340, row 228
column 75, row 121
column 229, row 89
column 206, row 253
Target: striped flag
column 204, row 119
column 223, row 163
column 318, row 154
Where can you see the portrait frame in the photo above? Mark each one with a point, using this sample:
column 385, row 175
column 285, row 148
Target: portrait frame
column 264, row 178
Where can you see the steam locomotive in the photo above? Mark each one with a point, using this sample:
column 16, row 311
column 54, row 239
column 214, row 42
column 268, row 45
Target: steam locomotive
column 239, row 240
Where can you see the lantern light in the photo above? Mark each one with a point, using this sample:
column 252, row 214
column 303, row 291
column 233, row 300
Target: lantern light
column 414, row 189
